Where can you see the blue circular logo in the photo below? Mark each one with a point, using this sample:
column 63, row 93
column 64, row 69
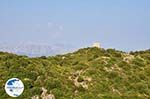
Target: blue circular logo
column 14, row 87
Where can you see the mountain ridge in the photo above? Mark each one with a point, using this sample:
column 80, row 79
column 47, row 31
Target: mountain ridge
column 34, row 50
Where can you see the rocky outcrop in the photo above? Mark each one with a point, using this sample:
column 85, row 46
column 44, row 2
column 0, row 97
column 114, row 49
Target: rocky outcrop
column 44, row 95
column 84, row 82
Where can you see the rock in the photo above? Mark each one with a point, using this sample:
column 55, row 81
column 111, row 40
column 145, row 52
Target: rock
column 89, row 79
column 128, row 58
column 45, row 95
column 35, row 97
column 63, row 57
column 83, row 83
column 50, row 96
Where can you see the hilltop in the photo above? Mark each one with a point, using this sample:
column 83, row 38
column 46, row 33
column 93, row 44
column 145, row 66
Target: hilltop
column 89, row 73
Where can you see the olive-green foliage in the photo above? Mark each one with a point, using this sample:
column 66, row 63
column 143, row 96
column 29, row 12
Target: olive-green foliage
column 105, row 74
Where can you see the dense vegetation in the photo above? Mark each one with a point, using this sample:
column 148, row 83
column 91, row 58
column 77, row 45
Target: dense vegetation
column 89, row 73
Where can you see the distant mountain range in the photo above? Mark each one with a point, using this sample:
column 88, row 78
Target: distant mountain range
column 35, row 50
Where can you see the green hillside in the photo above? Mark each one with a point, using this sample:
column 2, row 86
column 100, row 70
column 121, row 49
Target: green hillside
column 89, row 73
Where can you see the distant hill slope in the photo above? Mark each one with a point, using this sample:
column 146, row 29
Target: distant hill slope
column 35, row 50
column 89, row 73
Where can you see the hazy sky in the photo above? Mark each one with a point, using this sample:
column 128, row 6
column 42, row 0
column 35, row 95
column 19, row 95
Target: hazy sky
column 120, row 24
